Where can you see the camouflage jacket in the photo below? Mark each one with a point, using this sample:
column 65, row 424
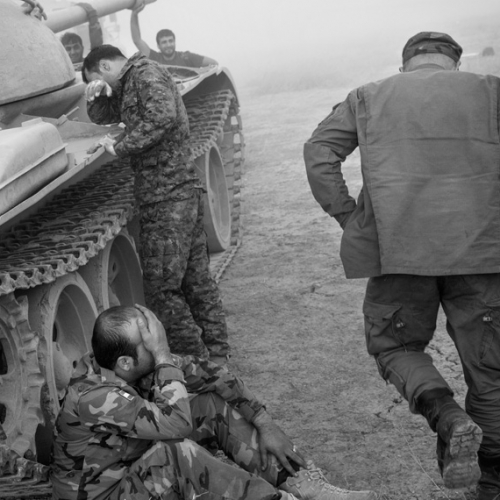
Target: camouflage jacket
column 105, row 424
column 156, row 136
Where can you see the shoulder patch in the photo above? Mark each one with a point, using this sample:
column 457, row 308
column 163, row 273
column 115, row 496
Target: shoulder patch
column 126, row 395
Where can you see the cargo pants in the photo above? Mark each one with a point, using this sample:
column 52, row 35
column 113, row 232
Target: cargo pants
column 178, row 286
column 184, row 469
column 400, row 319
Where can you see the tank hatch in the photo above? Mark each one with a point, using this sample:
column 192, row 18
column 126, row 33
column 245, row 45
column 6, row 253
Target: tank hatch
column 32, row 59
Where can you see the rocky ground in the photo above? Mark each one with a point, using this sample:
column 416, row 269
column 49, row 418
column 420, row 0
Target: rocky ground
column 296, row 324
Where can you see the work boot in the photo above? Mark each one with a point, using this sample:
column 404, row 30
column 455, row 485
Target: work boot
column 458, row 439
column 488, row 487
column 311, row 484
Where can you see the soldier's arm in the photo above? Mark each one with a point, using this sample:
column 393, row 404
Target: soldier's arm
column 95, row 30
column 135, row 32
column 155, row 92
column 124, row 412
column 207, row 61
column 333, row 140
column 206, row 376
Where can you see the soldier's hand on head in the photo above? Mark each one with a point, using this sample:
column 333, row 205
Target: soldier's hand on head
column 153, row 335
column 97, row 88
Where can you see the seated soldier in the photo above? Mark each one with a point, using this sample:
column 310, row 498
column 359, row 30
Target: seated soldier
column 141, row 423
column 73, row 43
column 165, row 40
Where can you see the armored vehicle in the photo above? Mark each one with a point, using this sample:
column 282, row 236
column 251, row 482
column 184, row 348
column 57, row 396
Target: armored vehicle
column 67, row 247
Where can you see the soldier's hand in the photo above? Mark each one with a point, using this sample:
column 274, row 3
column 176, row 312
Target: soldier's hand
column 107, row 142
column 273, row 440
column 96, row 88
column 33, row 8
column 138, row 6
column 153, row 335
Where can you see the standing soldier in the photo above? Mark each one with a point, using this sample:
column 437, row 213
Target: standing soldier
column 177, row 282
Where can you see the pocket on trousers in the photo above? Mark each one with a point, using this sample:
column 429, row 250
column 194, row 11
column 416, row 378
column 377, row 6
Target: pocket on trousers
column 153, row 251
column 381, row 323
column 489, row 354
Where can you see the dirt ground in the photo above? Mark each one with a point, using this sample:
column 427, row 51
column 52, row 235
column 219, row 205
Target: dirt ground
column 295, row 322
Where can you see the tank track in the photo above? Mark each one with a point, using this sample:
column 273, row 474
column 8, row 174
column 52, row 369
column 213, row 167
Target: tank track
column 215, row 121
column 79, row 222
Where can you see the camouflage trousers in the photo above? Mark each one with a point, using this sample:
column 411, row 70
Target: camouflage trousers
column 178, row 285
column 185, row 470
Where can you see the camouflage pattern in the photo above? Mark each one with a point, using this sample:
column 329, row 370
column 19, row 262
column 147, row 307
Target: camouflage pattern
column 178, row 285
column 429, row 42
column 147, row 101
column 115, row 441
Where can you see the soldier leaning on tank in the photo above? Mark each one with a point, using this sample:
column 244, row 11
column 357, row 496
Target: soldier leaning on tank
column 426, row 232
column 173, row 248
column 73, row 42
column 165, row 40
column 137, row 422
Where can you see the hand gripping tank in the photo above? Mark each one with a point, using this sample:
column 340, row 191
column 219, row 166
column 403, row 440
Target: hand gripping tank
column 67, row 249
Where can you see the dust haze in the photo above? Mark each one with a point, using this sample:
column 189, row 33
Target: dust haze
column 280, row 45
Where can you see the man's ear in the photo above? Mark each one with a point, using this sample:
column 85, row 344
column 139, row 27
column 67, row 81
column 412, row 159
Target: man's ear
column 125, row 363
column 104, row 65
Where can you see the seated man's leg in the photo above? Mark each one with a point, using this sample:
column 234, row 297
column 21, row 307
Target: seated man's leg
column 472, row 307
column 217, row 426
column 176, row 470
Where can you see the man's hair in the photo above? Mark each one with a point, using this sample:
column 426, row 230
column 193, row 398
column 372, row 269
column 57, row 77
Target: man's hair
column 108, row 339
column 95, row 56
column 164, row 33
column 439, row 59
column 68, row 38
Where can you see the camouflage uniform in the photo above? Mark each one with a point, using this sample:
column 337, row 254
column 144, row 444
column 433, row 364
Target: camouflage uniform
column 178, row 285
column 114, row 441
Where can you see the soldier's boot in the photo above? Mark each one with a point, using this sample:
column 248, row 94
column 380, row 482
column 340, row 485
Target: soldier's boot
column 311, row 484
column 488, row 487
column 458, row 441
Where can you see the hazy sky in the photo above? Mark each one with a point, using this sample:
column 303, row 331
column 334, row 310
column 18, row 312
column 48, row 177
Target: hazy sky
column 253, row 35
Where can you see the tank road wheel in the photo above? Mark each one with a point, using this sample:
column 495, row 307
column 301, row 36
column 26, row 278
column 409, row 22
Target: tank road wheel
column 21, row 379
column 114, row 276
column 63, row 312
column 217, row 219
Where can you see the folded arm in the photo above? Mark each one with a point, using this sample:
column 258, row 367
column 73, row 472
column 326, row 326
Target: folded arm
column 332, row 141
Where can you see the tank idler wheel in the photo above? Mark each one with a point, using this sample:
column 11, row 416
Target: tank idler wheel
column 63, row 312
column 114, row 275
column 217, row 218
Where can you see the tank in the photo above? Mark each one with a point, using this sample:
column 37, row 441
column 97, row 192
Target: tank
column 67, row 245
